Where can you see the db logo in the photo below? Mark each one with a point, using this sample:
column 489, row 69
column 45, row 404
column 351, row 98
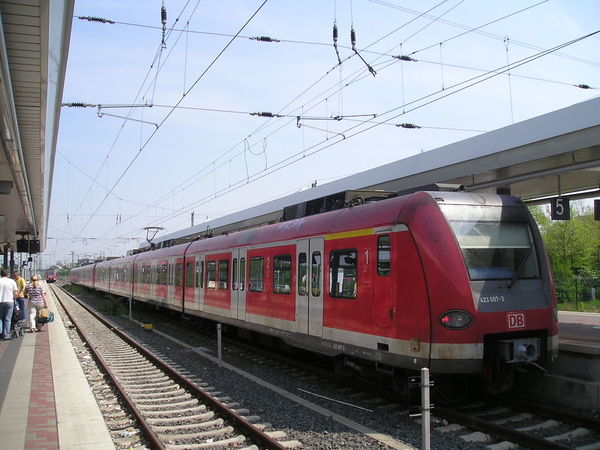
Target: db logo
column 515, row 320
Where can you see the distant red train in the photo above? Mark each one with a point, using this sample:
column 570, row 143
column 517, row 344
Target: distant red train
column 456, row 282
column 51, row 275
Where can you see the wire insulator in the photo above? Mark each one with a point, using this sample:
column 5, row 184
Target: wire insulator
column 584, row 86
column 353, row 40
column 264, row 39
column 265, row 114
column 76, row 105
column 408, row 125
column 163, row 14
column 335, row 44
column 404, row 58
column 163, row 19
column 96, row 19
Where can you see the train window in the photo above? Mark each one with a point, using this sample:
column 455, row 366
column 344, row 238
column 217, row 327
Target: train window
column 223, row 273
column 383, row 255
column 257, row 264
column 343, row 273
column 178, row 274
column 496, row 243
column 242, row 274
column 201, row 277
column 302, row 278
column 211, row 274
column 189, row 274
column 164, row 274
column 315, row 284
column 282, row 274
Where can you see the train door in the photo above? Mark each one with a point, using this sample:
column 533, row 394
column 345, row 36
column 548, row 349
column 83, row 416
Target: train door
column 200, row 280
column 309, row 292
column 135, row 279
column 190, row 282
column 178, row 287
column 170, row 298
column 384, row 287
column 238, row 285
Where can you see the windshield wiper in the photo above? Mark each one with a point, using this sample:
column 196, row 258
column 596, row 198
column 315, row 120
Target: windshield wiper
column 511, row 283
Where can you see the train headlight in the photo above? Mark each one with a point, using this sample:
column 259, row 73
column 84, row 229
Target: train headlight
column 456, row 319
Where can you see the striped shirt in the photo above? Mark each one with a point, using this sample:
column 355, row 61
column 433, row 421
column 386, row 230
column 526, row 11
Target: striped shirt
column 35, row 293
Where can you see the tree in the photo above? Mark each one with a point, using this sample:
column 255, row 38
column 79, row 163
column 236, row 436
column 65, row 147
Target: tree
column 573, row 249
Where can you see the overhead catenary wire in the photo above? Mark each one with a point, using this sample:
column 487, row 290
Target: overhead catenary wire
column 327, row 118
column 233, row 187
column 159, row 52
column 450, row 90
column 175, row 107
column 169, row 114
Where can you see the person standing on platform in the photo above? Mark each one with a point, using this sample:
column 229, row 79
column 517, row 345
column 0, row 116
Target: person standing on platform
column 8, row 295
column 21, row 283
column 37, row 300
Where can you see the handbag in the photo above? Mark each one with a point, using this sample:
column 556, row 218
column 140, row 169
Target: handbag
column 44, row 315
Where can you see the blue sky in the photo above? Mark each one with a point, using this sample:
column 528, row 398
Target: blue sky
column 197, row 143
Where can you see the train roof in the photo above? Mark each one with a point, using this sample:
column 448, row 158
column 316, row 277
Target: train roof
column 371, row 215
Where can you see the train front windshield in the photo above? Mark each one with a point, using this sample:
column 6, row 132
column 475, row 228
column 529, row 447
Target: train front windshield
column 496, row 242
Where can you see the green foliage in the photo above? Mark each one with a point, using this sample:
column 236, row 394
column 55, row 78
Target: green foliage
column 573, row 248
column 74, row 289
column 113, row 306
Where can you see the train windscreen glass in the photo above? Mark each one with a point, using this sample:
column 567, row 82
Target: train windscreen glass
column 496, row 243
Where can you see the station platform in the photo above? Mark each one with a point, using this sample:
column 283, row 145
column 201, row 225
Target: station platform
column 573, row 379
column 45, row 399
column 579, row 327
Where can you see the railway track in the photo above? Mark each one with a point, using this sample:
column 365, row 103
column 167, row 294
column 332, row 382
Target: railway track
column 172, row 410
column 323, row 419
column 510, row 423
column 479, row 426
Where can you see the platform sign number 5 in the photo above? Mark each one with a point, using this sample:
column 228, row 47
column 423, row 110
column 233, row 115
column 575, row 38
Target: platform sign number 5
column 559, row 208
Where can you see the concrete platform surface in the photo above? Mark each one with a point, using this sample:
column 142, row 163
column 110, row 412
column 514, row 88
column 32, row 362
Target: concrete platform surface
column 45, row 399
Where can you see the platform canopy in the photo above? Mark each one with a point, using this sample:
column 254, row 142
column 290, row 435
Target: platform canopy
column 34, row 43
column 536, row 160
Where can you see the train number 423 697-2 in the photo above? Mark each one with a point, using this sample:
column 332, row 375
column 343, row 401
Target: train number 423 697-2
column 491, row 298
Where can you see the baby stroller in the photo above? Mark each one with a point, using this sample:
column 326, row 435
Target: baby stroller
column 18, row 323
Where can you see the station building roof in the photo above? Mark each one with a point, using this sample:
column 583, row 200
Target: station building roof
column 554, row 154
column 34, row 43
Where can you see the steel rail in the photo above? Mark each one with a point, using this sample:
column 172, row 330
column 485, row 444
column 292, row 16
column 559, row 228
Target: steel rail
column 590, row 423
column 154, row 440
column 248, row 428
column 502, row 432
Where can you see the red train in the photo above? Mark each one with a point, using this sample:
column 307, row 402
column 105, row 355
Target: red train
column 50, row 276
column 456, row 282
